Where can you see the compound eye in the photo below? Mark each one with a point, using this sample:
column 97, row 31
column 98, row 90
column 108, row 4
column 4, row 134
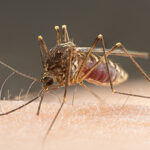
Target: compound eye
column 47, row 80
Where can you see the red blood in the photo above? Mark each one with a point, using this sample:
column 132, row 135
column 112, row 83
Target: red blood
column 100, row 72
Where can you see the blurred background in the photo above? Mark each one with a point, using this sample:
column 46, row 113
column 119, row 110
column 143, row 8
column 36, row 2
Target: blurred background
column 22, row 21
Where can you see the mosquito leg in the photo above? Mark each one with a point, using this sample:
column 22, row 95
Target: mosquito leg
column 65, row 33
column 87, row 56
column 18, row 72
column 40, row 103
column 68, row 66
column 134, row 62
column 13, row 110
column 41, row 53
column 42, row 42
column 57, row 34
column 106, row 61
column 138, row 67
column 39, row 107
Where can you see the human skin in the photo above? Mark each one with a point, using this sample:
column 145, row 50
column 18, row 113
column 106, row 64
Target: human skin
column 119, row 122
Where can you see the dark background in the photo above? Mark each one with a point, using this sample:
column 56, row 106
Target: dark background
column 22, row 21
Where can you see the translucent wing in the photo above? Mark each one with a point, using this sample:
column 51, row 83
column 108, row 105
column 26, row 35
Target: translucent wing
column 118, row 52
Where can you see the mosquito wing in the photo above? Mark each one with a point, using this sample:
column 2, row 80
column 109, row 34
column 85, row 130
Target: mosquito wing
column 118, row 52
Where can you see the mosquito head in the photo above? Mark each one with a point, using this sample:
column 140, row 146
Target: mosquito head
column 47, row 80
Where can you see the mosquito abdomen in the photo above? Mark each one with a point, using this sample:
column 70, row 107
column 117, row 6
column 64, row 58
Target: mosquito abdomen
column 100, row 75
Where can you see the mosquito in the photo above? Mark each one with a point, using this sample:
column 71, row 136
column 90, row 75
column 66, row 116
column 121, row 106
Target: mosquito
column 66, row 64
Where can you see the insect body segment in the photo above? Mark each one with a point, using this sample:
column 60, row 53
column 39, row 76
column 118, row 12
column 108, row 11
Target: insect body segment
column 100, row 75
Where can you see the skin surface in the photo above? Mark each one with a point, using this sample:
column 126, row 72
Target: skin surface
column 116, row 122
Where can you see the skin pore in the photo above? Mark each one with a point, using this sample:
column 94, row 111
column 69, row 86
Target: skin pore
column 114, row 122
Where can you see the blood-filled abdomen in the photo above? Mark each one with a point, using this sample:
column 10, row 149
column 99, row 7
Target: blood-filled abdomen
column 100, row 75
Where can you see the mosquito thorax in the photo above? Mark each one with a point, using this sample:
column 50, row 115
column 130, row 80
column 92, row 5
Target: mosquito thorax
column 63, row 47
